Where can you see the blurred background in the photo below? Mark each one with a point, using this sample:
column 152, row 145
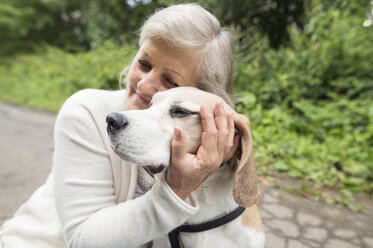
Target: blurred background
column 303, row 75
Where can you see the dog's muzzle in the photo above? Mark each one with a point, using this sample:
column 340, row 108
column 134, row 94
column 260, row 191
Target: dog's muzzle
column 116, row 122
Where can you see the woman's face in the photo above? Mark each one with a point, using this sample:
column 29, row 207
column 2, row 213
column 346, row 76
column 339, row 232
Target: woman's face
column 158, row 67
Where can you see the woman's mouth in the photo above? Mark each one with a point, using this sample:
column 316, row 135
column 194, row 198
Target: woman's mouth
column 142, row 99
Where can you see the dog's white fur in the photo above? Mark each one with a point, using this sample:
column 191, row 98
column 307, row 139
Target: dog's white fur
column 146, row 141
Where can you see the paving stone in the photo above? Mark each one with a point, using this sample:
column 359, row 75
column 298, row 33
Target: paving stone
column 362, row 225
column 296, row 244
column 331, row 213
column 278, row 210
column 311, row 243
column 315, row 233
column 336, row 243
column 267, row 198
column 368, row 241
column 356, row 241
column 345, row 233
column 274, row 241
column 305, row 219
column 265, row 214
column 275, row 192
column 287, row 228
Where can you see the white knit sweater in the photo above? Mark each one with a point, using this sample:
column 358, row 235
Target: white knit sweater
column 89, row 198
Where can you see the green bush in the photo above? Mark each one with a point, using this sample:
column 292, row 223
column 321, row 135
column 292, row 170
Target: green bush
column 311, row 105
column 46, row 79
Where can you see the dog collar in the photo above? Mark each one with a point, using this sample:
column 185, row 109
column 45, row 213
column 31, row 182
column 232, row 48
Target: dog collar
column 174, row 235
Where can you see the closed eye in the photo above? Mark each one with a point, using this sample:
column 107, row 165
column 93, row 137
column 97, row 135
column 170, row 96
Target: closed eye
column 145, row 66
column 171, row 83
column 178, row 112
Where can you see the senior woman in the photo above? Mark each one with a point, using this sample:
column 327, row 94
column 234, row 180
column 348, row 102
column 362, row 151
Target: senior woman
column 93, row 198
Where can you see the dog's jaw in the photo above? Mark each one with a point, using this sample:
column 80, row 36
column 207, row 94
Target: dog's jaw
column 148, row 156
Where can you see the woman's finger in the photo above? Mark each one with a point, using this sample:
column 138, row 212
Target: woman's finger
column 233, row 149
column 220, row 117
column 210, row 133
column 222, row 127
column 178, row 145
column 229, row 142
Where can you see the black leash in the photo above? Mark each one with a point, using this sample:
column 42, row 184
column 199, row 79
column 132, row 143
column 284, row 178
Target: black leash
column 174, row 235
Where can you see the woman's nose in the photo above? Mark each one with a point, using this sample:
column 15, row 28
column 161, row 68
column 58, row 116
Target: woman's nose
column 149, row 84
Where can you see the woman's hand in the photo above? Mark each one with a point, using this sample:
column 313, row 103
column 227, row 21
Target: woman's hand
column 219, row 143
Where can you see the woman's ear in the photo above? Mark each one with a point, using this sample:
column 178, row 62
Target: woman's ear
column 245, row 190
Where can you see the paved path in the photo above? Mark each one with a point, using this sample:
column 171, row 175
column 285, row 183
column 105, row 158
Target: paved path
column 26, row 147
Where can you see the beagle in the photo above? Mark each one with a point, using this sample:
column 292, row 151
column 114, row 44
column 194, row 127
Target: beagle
column 144, row 137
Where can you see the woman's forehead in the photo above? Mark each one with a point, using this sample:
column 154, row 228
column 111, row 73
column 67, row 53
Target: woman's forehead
column 179, row 62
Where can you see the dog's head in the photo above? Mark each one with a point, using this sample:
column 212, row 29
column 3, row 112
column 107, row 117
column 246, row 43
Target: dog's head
column 144, row 136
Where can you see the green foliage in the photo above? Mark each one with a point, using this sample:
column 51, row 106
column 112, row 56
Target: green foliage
column 46, row 79
column 270, row 17
column 81, row 25
column 111, row 19
column 25, row 24
column 311, row 104
column 71, row 25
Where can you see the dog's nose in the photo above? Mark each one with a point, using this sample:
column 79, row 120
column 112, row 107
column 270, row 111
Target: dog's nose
column 116, row 121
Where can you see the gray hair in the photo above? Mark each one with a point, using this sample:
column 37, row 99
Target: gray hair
column 191, row 28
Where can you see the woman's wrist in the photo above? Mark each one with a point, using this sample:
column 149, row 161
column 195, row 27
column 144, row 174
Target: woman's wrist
column 181, row 194
column 176, row 186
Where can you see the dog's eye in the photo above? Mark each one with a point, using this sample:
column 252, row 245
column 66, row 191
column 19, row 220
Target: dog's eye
column 177, row 112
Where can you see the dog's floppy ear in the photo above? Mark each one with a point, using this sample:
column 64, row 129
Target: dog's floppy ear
column 245, row 191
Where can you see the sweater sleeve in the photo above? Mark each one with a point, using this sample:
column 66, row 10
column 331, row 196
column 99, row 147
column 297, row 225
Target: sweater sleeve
column 85, row 199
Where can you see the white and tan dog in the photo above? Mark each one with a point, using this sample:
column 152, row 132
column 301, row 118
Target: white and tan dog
column 144, row 137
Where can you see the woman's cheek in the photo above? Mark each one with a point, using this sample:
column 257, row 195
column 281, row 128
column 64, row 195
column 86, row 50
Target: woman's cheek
column 133, row 77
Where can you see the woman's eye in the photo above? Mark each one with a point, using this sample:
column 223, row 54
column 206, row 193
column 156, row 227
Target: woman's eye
column 177, row 112
column 145, row 65
column 171, row 83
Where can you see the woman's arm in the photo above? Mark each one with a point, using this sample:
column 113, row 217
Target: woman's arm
column 85, row 199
